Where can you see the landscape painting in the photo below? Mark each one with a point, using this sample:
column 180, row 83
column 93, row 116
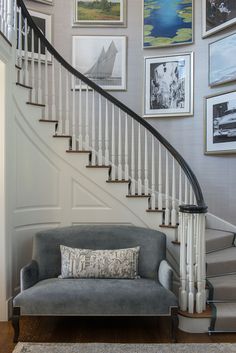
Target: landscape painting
column 102, row 59
column 100, row 12
column 217, row 15
column 222, row 54
column 167, row 22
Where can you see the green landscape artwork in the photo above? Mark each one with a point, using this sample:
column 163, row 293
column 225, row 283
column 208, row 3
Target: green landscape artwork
column 167, row 22
column 99, row 10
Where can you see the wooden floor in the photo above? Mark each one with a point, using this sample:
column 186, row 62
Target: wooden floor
column 111, row 330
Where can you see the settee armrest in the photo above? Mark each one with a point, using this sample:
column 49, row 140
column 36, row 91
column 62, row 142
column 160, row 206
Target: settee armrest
column 165, row 275
column 29, row 275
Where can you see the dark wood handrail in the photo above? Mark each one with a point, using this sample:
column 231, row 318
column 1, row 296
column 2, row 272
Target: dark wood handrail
column 184, row 165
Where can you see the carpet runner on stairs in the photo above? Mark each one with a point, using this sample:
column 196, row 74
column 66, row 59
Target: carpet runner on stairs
column 221, row 279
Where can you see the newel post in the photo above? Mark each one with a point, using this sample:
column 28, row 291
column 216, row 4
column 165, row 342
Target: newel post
column 192, row 292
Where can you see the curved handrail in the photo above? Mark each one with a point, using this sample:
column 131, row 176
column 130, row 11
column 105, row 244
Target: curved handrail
column 184, row 165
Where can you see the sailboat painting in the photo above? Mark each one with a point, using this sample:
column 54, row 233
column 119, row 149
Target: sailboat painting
column 102, row 59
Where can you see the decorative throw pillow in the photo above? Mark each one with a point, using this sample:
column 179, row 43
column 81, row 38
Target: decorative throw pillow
column 87, row 263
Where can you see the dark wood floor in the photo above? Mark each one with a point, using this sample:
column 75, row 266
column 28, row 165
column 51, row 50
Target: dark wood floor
column 111, row 330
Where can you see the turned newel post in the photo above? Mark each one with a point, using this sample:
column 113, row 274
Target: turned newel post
column 192, row 291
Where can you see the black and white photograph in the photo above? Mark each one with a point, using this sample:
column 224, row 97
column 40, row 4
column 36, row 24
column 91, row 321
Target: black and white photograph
column 168, row 86
column 102, row 59
column 222, row 54
column 217, row 15
column 221, row 123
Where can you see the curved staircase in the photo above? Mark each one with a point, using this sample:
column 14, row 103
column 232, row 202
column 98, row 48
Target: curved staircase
column 122, row 162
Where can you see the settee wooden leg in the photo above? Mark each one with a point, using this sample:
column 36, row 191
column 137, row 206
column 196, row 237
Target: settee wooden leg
column 174, row 324
column 16, row 323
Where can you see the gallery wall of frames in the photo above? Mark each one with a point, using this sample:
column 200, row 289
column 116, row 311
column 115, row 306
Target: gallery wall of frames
column 168, row 80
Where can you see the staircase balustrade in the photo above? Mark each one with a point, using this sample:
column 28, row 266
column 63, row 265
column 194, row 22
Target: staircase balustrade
column 118, row 137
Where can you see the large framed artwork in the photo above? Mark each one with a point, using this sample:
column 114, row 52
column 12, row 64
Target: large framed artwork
column 168, row 87
column 220, row 123
column 102, row 59
column 167, row 23
column 222, row 54
column 100, row 13
column 217, row 15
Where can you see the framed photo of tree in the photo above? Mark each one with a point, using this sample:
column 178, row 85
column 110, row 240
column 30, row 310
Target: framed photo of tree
column 217, row 15
column 100, row 13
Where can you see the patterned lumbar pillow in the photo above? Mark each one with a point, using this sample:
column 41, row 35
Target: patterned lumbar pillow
column 87, row 263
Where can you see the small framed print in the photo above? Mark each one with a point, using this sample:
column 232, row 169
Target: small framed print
column 100, row 13
column 220, row 123
column 222, row 54
column 102, row 59
column 217, row 15
column 168, row 87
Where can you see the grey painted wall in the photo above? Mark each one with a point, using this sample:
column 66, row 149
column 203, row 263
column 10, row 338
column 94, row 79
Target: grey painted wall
column 216, row 174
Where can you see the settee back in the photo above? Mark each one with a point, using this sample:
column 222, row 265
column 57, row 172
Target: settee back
column 46, row 245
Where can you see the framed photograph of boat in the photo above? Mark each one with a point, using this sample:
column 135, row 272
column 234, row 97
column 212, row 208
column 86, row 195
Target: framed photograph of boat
column 168, row 85
column 167, row 23
column 222, row 54
column 217, row 15
column 101, row 59
column 220, row 123
column 100, row 13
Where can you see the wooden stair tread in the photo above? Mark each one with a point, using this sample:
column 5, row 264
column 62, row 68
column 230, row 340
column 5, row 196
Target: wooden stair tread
column 36, row 104
column 136, row 195
column 24, row 86
column 176, row 242
column 18, row 67
column 98, row 166
column 75, row 151
column 155, row 210
column 48, row 121
column 168, row 226
column 117, row 181
column 204, row 315
column 63, row 136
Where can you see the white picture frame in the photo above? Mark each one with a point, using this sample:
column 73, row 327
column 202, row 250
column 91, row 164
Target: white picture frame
column 90, row 55
column 168, row 85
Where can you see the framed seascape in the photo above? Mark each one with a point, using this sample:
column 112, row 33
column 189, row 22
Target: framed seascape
column 102, row 59
column 220, row 123
column 167, row 23
column 168, row 87
column 217, row 15
column 100, row 13
column 222, row 54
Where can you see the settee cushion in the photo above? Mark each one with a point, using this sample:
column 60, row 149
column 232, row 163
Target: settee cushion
column 95, row 297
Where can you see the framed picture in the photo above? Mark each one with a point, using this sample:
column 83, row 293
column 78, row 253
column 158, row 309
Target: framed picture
column 217, row 15
column 168, row 87
column 47, row 2
column 167, row 23
column 222, row 54
column 220, row 123
column 43, row 21
column 101, row 59
column 100, row 13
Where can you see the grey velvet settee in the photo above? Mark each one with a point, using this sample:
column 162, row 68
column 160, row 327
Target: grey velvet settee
column 44, row 294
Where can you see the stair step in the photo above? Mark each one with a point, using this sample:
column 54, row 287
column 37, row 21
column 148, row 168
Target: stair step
column 63, row 136
column 98, row 166
column 223, row 317
column 222, row 288
column 205, row 314
column 75, row 151
column 48, row 121
column 18, row 67
column 22, row 85
column 221, row 262
column 118, row 181
column 155, row 210
column 35, row 104
column 217, row 240
column 137, row 195
column 168, row 226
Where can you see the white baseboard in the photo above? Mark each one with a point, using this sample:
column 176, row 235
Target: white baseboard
column 218, row 223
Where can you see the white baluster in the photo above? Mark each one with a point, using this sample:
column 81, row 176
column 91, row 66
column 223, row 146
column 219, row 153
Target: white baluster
column 26, row 72
column 80, row 118
column 119, row 149
column 10, row 14
column 59, row 126
column 202, row 235
column 173, row 210
column 67, row 121
column 106, row 136
column 153, row 198
column 146, row 184
column 190, row 195
column 19, row 54
column 39, row 73
column 1, row 15
column 100, row 131
column 183, row 299
column 86, row 145
column 132, row 185
column 33, row 91
column 160, row 196
column 185, row 190
column 93, row 131
column 180, row 197
column 113, row 149
column 139, row 162
column 167, row 194
column 73, row 115
column 126, row 149
column 190, row 257
column 5, row 17
column 53, row 91
column 46, row 113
